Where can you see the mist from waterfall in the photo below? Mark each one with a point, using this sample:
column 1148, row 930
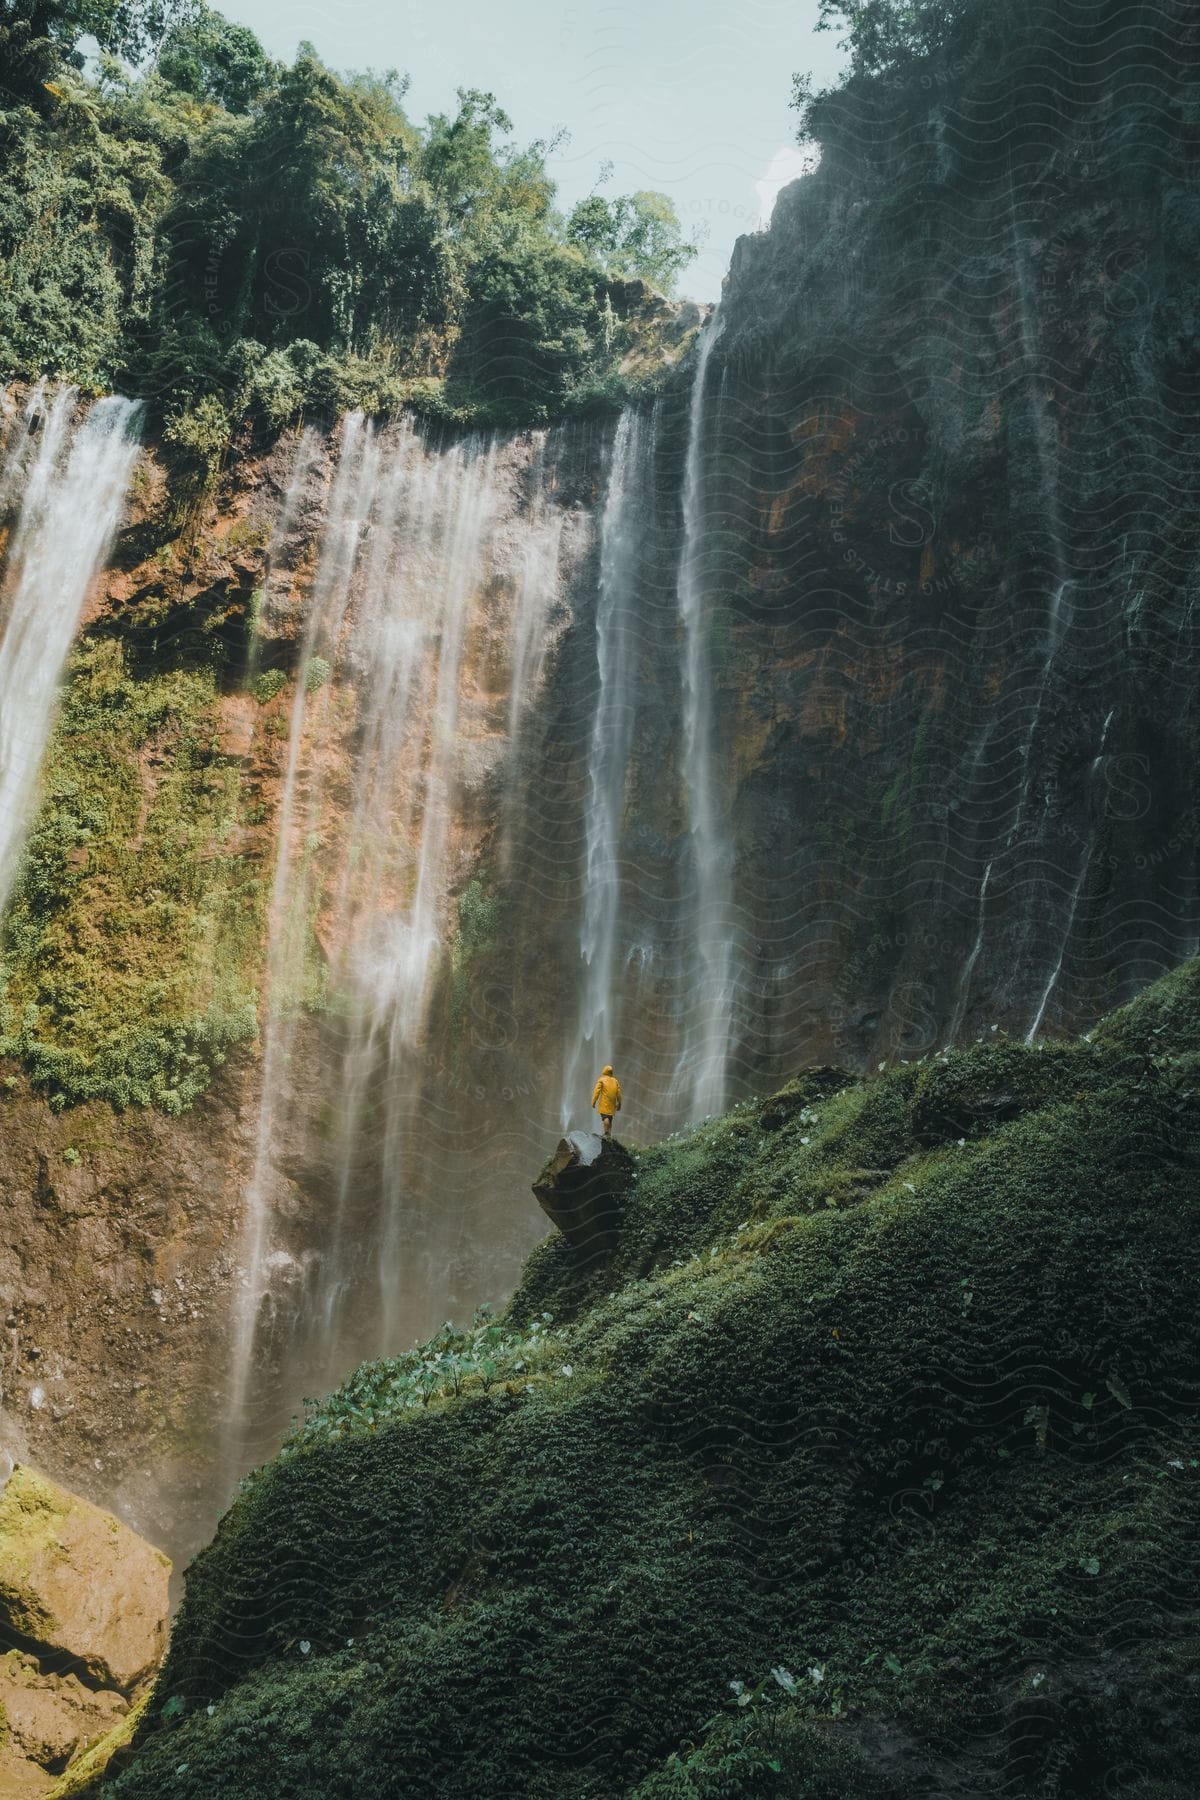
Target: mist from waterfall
column 435, row 562
column 65, row 480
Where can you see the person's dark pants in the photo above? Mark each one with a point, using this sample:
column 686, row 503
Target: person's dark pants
column 606, row 1120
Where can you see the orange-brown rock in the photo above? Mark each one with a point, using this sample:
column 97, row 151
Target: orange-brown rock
column 50, row 1718
column 78, row 1584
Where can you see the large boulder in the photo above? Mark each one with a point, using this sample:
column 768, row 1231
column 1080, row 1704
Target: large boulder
column 78, row 1586
column 582, row 1190
column 49, row 1718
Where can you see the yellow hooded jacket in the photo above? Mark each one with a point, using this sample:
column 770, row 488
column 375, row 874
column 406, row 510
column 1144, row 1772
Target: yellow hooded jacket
column 606, row 1095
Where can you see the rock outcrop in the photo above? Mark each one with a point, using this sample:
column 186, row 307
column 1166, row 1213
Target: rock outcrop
column 83, row 1603
column 801, row 1093
column 582, row 1190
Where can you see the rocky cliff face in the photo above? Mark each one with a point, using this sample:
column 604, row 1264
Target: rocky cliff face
column 118, row 1266
column 954, row 551
column 835, row 706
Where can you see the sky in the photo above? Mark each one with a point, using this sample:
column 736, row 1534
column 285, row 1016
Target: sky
column 686, row 96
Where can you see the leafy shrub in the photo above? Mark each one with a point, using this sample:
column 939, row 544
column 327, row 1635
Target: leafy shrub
column 268, row 684
column 316, row 674
column 202, row 433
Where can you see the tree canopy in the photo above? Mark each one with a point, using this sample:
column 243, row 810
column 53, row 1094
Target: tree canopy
column 635, row 234
column 889, row 39
column 211, row 58
column 220, row 232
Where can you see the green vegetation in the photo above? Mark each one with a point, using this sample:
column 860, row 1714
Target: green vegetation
column 478, row 923
column 228, row 236
column 903, row 53
column 867, row 1466
column 133, row 936
column 268, row 684
column 316, row 674
column 634, row 234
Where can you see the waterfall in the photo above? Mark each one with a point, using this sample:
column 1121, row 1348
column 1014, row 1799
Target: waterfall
column 287, row 919
column 1053, row 639
column 454, row 500
column 1076, row 891
column 964, row 981
column 1033, row 375
column 611, row 737
column 539, row 567
column 437, row 566
column 701, row 1073
column 66, row 483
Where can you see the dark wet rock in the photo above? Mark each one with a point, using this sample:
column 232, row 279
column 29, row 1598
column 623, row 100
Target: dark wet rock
column 582, row 1190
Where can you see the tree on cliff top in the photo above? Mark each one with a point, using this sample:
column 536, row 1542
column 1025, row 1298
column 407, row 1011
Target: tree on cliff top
column 884, row 37
column 633, row 234
column 211, row 58
column 883, row 33
column 37, row 37
column 221, row 233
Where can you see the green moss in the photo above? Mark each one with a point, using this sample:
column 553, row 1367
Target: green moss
column 316, row 674
column 479, row 915
column 133, row 934
column 937, row 1446
column 91, row 1763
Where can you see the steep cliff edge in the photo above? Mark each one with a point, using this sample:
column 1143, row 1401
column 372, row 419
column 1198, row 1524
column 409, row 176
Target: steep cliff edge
column 873, row 1446
column 953, row 549
column 132, row 956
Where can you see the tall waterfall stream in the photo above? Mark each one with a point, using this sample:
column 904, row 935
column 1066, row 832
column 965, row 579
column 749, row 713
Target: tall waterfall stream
column 510, row 731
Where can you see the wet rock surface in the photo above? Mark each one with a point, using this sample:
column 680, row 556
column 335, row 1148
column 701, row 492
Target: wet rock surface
column 119, row 1235
column 582, row 1188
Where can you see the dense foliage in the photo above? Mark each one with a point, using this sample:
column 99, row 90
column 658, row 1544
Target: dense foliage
column 131, row 941
column 634, row 234
column 223, row 234
column 867, row 1466
column 910, row 55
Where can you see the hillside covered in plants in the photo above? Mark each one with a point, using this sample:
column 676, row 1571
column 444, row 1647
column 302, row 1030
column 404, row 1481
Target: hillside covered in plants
column 868, row 1465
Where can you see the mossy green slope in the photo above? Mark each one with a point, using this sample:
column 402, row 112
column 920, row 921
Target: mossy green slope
column 890, row 1390
column 132, row 940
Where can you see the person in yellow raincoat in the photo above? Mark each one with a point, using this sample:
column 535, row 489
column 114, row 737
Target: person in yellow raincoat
column 606, row 1098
